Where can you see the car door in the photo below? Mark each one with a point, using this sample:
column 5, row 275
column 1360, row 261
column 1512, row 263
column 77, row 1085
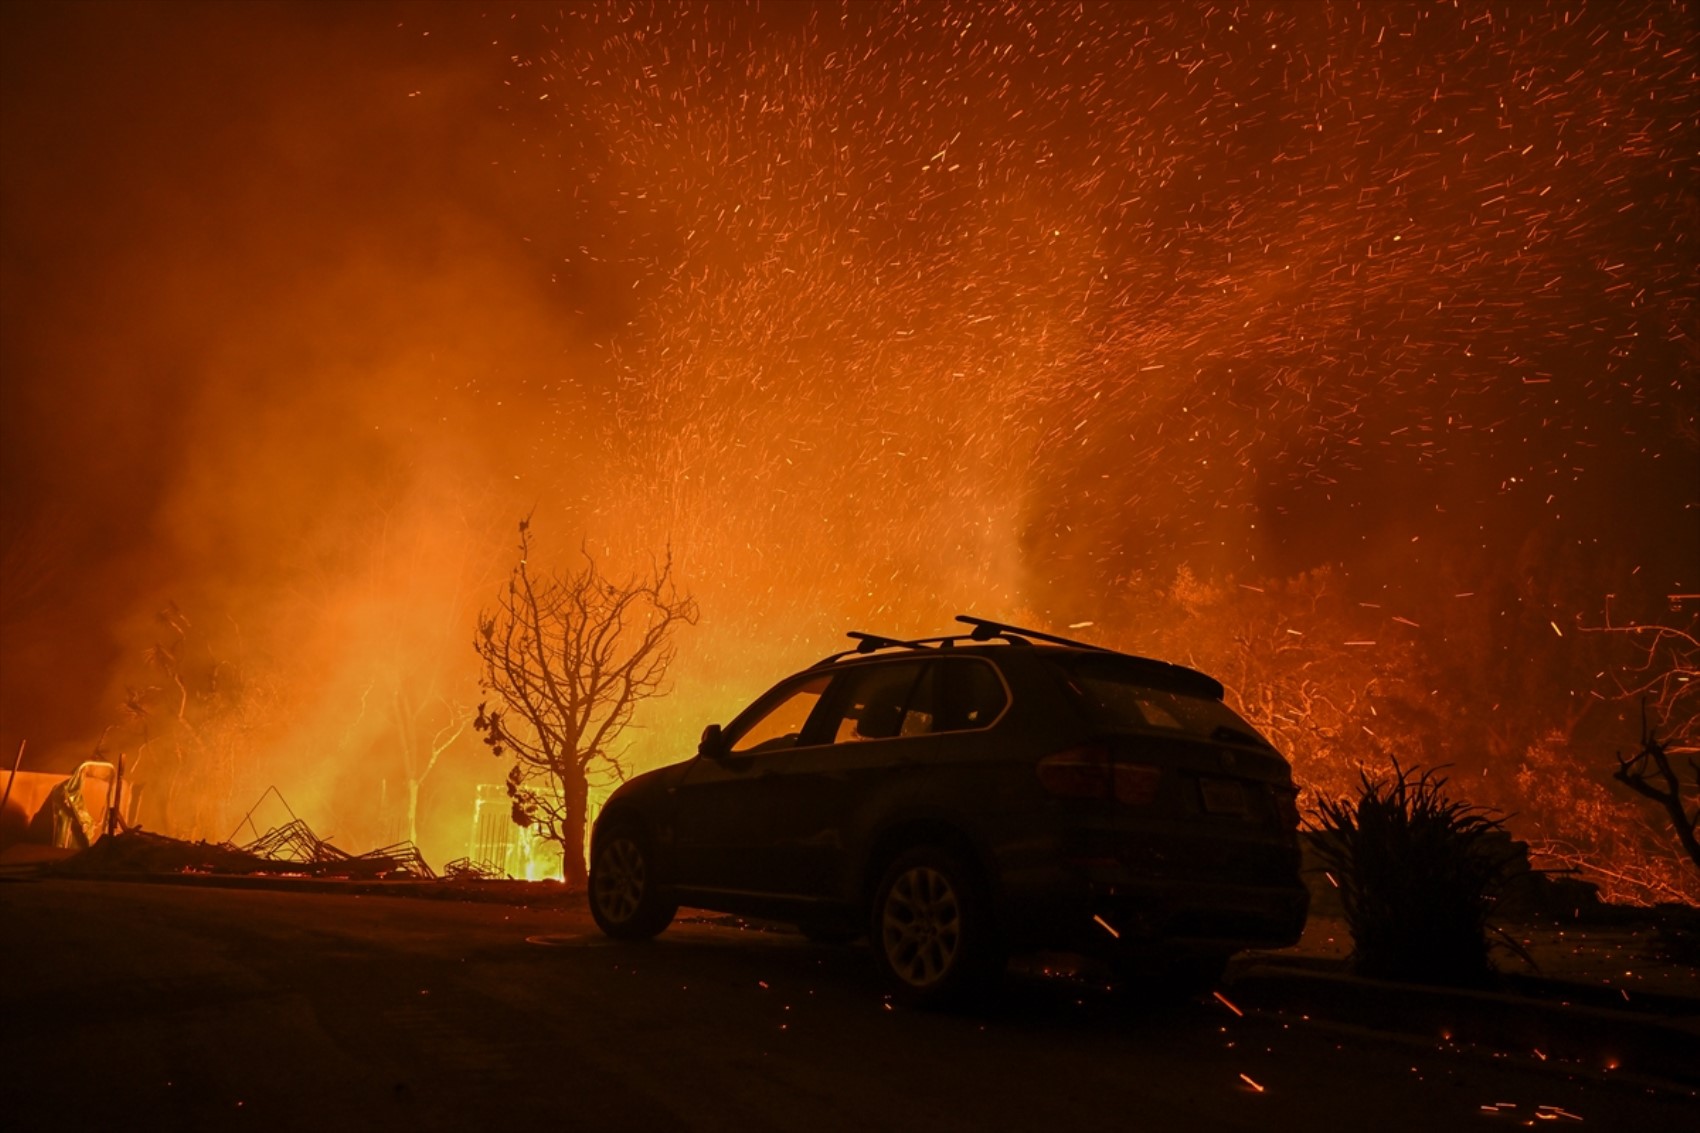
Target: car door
column 727, row 811
column 878, row 719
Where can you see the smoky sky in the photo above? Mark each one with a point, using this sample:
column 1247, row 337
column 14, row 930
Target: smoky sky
column 1048, row 299
column 244, row 245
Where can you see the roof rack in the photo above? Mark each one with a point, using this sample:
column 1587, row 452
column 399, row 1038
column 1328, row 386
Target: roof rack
column 868, row 642
column 985, row 630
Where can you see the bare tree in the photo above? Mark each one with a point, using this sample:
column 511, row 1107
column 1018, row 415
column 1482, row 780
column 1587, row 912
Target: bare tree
column 219, row 707
column 1650, row 772
column 1665, row 676
column 416, row 614
column 569, row 655
column 420, row 751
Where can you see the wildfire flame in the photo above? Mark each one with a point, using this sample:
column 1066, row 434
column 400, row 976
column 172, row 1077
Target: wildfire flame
column 1318, row 347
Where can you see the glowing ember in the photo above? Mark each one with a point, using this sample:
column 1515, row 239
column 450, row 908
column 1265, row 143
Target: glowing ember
column 1345, row 353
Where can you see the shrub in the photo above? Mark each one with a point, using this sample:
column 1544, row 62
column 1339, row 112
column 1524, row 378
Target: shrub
column 1417, row 873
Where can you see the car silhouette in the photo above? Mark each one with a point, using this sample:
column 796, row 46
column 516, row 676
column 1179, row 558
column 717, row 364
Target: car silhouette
column 960, row 799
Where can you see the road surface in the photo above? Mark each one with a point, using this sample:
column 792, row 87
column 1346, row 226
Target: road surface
column 158, row 1006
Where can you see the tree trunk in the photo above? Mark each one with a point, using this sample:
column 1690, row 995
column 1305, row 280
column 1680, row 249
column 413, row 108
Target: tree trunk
column 573, row 869
column 413, row 811
column 168, row 811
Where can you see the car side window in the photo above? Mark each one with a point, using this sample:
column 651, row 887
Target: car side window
column 973, row 696
column 921, row 713
column 781, row 725
column 883, row 702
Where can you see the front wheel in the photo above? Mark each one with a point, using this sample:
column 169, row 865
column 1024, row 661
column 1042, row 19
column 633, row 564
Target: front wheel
column 625, row 900
column 932, row 930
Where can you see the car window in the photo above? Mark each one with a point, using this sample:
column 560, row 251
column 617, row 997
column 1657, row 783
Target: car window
column 883, row 702
column 780, row 726
column 1117, row 699
column 921, row 713
column 973, row 695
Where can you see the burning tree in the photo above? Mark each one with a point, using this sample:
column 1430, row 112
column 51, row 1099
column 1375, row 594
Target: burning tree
column 569, row 655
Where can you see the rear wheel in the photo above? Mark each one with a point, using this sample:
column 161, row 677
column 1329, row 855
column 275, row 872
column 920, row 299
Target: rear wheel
column 625, row 900
column 932, row 931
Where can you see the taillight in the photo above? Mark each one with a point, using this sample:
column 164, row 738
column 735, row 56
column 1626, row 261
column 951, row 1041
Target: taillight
column 1136, row 783
column 1090, row 772
column 1077, row 773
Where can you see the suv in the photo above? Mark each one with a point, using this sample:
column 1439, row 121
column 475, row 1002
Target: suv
column 961, row 798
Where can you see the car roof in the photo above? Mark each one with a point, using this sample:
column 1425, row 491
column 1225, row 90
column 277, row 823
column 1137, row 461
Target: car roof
column 998, row 639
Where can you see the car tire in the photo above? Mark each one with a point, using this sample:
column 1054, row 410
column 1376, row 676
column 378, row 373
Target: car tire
column 932, row 930
column 625, row 900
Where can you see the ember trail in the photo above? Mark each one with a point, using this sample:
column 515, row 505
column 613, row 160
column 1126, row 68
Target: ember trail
column 1344, row 353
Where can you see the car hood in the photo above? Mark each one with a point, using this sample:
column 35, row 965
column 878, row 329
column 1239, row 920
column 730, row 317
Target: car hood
column 651, row 782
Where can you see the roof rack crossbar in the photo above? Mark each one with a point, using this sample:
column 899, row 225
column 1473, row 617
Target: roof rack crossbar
column 868, row 642
column 985, row 630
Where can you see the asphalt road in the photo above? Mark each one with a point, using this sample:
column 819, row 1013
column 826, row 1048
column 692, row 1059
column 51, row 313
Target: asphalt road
column 167, row 1007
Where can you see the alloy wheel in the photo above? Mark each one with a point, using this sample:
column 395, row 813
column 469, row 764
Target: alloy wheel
column 921, row 926
column 620, row 879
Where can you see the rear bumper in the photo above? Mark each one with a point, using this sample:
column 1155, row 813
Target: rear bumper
column 1059, row 905
column 1240, row 916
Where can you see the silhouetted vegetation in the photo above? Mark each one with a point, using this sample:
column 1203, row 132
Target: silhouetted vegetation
column 1664, row 678
column 568, row 656
column 1652, row 774
column 1417, row 871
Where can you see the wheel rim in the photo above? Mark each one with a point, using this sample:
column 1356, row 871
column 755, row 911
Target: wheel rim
column 921, row 926
column 619, row 880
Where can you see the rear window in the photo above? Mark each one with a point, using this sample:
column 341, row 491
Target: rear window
column 1119, row 698
column 974, row 696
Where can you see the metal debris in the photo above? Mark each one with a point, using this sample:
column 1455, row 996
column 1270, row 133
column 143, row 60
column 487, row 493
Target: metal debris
column 294, row 842
column 398, row 861
column 465, row 869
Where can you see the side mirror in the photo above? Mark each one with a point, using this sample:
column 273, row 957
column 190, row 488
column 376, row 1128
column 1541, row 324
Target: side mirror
column 713, row 743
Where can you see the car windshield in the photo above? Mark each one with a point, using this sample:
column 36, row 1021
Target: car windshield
column 1120, row 697
column 780, row 724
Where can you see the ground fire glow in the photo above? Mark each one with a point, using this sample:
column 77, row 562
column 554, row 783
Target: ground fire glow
column 1345, row 352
